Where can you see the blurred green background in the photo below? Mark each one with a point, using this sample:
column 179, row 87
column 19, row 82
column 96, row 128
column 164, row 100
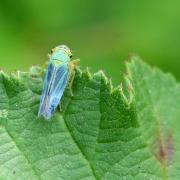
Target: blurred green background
column 101, row 33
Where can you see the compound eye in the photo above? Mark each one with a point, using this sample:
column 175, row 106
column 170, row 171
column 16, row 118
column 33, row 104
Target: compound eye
column 70, row 56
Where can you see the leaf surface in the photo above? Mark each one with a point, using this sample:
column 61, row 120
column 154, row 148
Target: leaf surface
column 101, row 133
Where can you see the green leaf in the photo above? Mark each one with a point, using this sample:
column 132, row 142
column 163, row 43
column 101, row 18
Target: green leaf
column 102, row 132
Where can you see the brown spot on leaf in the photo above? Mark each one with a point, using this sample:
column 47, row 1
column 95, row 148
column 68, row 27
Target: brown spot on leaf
column 163, row 149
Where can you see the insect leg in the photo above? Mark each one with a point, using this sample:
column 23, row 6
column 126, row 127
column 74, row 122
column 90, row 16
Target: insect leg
column 71, row 77
column 72, row 65
column 60, row 107
column 75, row 62
column 44, row 66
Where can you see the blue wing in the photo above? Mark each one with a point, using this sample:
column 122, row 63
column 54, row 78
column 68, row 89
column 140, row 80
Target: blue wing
column 54, row 85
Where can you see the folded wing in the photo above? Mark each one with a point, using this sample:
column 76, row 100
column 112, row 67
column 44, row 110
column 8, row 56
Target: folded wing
column 54, row 85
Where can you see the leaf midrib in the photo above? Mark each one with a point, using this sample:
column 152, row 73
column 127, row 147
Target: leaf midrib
column 76, row 142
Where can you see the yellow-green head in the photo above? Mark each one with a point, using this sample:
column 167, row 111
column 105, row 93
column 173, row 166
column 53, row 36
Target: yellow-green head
column 61, row 53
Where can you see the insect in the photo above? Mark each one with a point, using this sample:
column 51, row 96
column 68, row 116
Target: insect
column 60, row 74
